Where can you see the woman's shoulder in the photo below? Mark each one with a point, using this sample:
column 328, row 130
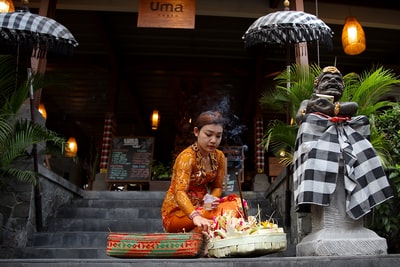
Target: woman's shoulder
column 187, row 152
column 219, row 153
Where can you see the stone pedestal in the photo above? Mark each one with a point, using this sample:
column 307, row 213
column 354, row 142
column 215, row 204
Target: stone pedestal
column 334, row 233
column 99, row 183
column 261, row 182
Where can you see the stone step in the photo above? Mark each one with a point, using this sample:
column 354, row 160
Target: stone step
column 71, row 239
column 116, row 203
column 265, row 261
column 104, row 225
column 110, row 195
column 109, row 213
column 59, row 253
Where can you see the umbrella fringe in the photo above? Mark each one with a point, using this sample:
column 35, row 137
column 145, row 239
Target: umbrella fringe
column 39, row 44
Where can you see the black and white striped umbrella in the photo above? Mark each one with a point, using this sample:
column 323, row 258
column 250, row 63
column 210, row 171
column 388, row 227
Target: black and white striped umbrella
column 287, row 27
column 30, row 30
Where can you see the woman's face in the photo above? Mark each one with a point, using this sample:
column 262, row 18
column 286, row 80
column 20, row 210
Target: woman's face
column 208, row 137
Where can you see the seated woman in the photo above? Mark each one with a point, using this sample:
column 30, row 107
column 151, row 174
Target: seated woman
column 198, row 174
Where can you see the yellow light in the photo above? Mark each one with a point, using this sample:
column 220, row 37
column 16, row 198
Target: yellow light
column 353, row 37
column 42, row 111
column 71, row 148
column 6, row 6
column 155, row 119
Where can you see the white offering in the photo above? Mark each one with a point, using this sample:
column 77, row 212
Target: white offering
column 328, row 97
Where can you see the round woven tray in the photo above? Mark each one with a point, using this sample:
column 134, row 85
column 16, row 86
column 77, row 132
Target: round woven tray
column 249, row 245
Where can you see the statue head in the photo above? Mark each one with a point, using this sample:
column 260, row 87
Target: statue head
column 329, row 82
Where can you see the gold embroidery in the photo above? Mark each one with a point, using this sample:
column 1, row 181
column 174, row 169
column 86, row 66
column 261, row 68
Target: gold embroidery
column 200, row 163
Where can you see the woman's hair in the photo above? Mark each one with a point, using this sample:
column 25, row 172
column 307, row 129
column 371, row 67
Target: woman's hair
column 209, row 117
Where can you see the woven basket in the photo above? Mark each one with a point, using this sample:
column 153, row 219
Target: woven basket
column 249, row 245
column 155, row 245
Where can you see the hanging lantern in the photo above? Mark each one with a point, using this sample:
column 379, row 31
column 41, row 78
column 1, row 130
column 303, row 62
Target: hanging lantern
column 42, row 111
column 71, row 149
column 155, row 119
column 6, row 6
column 353, row 37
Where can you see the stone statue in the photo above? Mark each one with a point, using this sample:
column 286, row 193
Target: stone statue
column 337, row 173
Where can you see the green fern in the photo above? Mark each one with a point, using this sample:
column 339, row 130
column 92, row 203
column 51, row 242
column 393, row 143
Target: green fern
column 18, row 135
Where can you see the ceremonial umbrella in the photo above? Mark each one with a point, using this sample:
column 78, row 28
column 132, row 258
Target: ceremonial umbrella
column 35, row 35
column 284, row 28
column 23, row 29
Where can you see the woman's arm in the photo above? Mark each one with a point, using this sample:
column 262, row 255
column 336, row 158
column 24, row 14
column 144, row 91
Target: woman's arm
column 181, row 176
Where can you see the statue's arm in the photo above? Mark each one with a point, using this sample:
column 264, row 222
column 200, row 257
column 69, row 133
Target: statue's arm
column 345, row 109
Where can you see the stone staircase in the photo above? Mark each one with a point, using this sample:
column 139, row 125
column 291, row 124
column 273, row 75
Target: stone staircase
column 79, row 230
column 77, row 236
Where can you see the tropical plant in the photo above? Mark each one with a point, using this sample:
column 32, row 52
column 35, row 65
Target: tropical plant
column 17, row 135
column 161, row 171
column 384, row 219
column 297, row 83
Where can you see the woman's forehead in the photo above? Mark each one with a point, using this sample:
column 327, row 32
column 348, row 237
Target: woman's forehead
column 215, row 128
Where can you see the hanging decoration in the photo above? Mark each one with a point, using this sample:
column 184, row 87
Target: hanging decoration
column 110, row 126
column 353, row 37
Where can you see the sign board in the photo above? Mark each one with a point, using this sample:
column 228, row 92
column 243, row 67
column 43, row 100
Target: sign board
column 167, row 14
column 130, row 159
column 234, row 167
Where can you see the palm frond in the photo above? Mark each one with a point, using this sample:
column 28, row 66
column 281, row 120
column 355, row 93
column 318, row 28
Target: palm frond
column 279, row 137
column 25, row 176
column 368, row 88
column 292, row 86
column 16, row 135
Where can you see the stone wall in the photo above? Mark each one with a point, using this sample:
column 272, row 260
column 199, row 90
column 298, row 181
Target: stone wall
column 17, row 206
column 296, row 225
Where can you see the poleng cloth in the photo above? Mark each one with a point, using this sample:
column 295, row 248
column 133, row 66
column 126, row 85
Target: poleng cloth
column 320, row 143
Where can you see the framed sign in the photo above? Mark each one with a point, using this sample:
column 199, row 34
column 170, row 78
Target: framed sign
column 130, row 159
column 167, row 14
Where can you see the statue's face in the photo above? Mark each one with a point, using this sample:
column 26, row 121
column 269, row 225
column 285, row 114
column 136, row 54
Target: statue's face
column 331, row 84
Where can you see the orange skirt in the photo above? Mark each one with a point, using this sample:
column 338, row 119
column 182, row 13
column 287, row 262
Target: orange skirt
column 178, row 222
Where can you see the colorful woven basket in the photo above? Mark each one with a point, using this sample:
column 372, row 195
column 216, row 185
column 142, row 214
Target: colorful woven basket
column 155, row 245
column 247, row 245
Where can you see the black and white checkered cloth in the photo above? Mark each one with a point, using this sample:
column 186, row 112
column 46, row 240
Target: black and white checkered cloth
column 283, row 27
column 25, row 28
column 319, row 146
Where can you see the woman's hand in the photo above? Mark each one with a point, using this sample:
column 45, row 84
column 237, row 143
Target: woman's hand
column 215, row 203
column 204, row 224
column 210, row 202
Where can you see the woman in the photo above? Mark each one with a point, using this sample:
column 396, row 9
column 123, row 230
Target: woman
column 198, row 174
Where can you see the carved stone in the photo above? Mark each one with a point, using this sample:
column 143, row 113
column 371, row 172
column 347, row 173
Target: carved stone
column 334, row 233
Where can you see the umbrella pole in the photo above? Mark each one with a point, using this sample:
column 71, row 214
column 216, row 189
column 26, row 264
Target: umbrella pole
column 288, row 194
column 38, row 196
